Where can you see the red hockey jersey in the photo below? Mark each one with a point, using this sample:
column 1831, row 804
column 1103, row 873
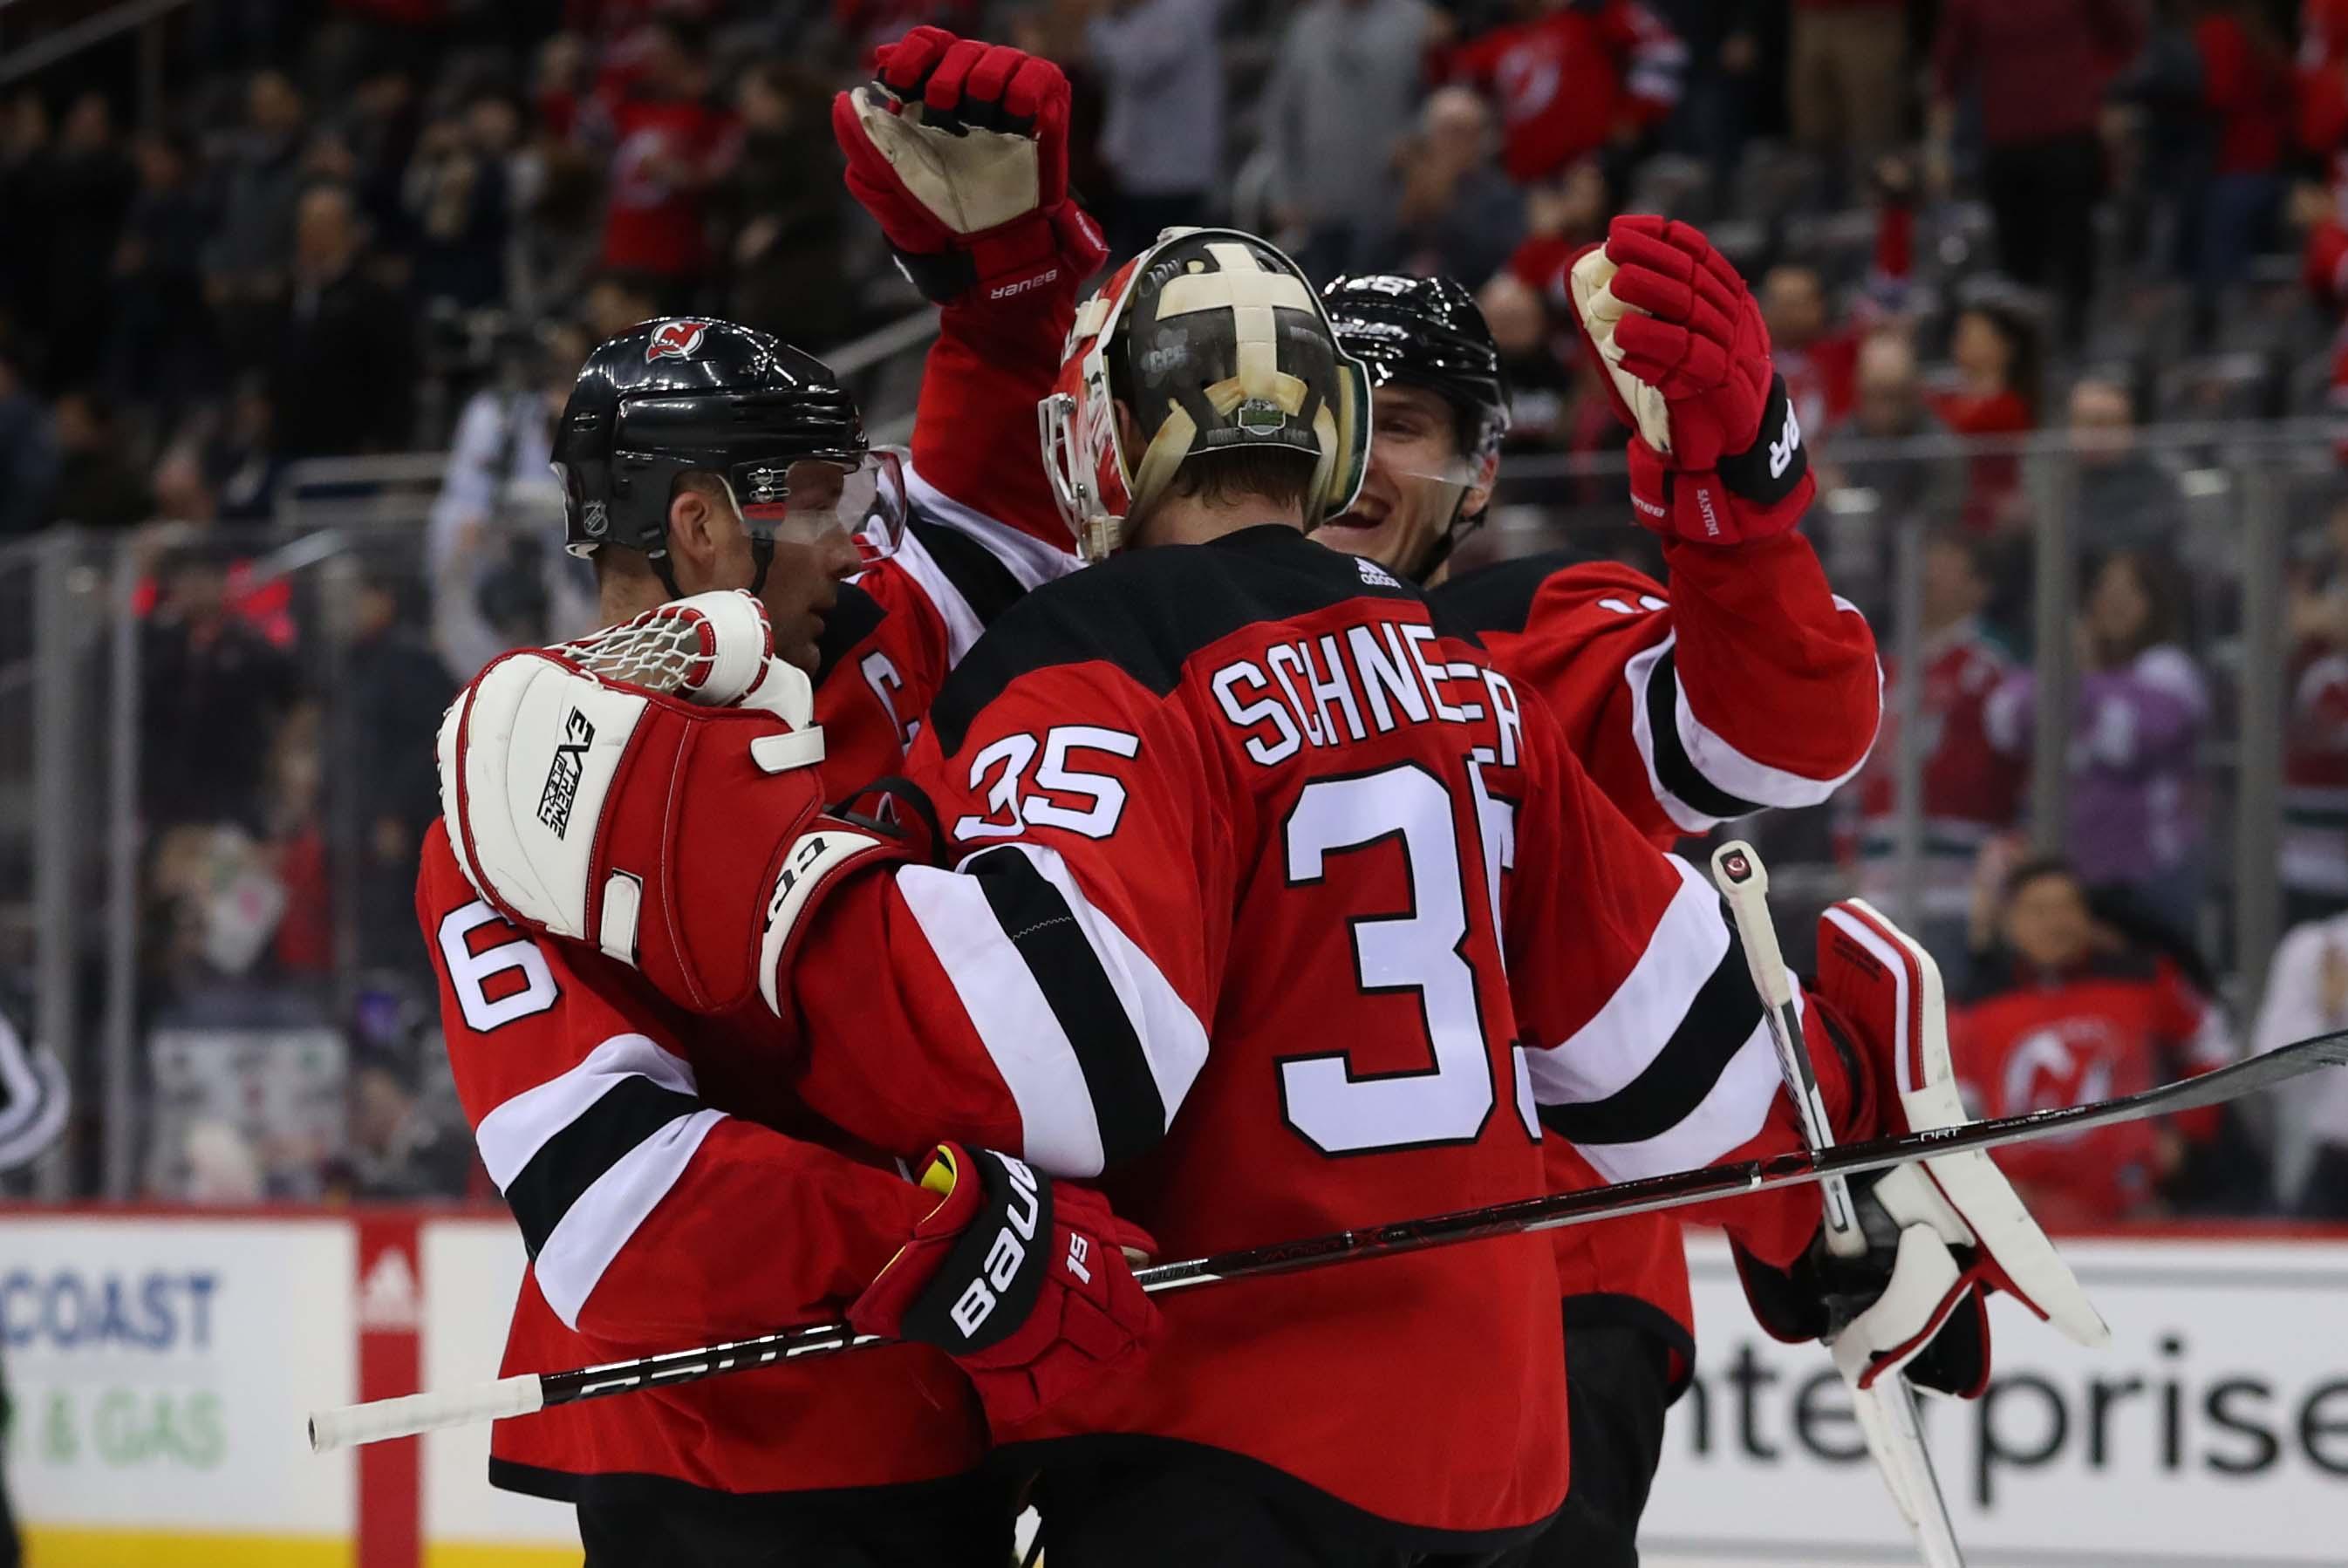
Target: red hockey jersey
column 1234, row 824
column 2120, row 1025
column 1746, row 684
column 677, row 1129
column 1972, row 783
column 660, row 1208
column 899, row 626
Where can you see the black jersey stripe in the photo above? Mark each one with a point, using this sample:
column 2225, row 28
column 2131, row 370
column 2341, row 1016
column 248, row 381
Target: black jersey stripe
column 1036, row 918
column 568, row 1163
column 1674, row 769
column 985, row 584
column 1667, row 1091
column 1148, row 611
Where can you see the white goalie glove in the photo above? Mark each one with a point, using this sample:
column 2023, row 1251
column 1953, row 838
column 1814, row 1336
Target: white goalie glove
column 650, row 790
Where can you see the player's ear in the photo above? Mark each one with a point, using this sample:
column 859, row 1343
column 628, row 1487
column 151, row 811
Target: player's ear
column 1129, row 437
column 698, row 518
column 1479, row 493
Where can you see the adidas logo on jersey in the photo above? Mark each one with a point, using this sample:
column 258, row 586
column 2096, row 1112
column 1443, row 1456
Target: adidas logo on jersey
column 1374, row 574
column 561, row 787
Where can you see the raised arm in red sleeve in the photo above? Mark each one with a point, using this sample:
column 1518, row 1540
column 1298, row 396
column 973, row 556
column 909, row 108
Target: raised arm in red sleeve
column 1745, row 685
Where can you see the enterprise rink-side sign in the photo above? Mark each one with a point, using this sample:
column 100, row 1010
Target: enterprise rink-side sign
column 2213, row 1431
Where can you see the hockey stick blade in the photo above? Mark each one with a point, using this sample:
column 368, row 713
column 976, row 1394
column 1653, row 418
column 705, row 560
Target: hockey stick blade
column 374, row 1422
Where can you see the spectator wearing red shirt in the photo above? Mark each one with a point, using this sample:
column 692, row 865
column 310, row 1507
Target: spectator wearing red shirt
column 2000, row 370
column 1817, row 356
column 2064, row 1011
column 2246, row 87
column 1972, row 790
column 668, row 143
column 2039, row 68
column 1574, row 78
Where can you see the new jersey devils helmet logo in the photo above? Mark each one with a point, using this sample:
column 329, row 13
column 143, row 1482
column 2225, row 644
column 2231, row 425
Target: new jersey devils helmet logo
column 676, row 340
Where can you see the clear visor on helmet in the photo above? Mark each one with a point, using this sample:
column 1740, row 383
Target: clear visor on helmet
column 815, row 500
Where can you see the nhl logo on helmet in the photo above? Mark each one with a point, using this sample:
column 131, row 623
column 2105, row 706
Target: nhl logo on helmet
column 676, row 340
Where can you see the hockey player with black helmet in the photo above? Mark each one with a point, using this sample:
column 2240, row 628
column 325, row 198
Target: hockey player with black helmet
column 695, row 455
column 1218, row 922
column 1746, row 665
column 668, row 1181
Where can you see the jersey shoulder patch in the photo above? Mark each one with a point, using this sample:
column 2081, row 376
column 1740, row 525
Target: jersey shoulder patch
column 1146, row 611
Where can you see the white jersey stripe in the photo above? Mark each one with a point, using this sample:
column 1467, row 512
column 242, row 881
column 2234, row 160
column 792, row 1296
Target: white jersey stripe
column 1032, row 561
column 1172, row 1035
column 1060, row 1131
column 510, row 1135
column 1601, row 1058
column 593, row 1229
column 1732, row 1113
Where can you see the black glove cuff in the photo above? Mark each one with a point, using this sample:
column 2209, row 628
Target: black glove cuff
column 1767, row 472
column 990, row 1280
column 943, row 276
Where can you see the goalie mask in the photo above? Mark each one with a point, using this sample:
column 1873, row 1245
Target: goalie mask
column 684, row 393
column 1427, row 332
column 1213, row 341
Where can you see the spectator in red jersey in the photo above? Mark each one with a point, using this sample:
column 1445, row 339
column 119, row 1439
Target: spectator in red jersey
column 2038, row 68
column 1574, row 78
column 1817, row 356
column 2320, row 78
column 1972, row 790
column 1844, row 79
column 2245, row 98
column 2000, row 367
column 2061, row 1012
column 666, row 138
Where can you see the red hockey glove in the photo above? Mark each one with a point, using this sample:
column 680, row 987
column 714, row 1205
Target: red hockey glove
column 961, row 151
column 1717, row 455
column 1022, row 1281
column 1942, row 1234
column 681, row 839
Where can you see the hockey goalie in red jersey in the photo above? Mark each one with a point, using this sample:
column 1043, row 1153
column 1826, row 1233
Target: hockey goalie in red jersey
column 1744, row 684
column 651, row 1157
column 1224, row 826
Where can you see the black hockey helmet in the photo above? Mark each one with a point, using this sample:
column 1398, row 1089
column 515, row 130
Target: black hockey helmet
column 1426, row 332
column 689, row 393
column 1216, row 341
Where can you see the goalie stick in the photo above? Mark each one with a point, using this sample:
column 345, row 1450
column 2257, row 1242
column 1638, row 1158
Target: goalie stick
column 1886, row 1411
column 379, row 1419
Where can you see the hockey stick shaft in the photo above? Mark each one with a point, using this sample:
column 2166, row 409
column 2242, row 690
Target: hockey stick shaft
column 1706, row 1183
column 1886, row 1409
column 1744, row 881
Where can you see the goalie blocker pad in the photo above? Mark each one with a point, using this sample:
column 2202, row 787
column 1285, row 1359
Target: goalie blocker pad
column 1942, row 1232
column 655, row 830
